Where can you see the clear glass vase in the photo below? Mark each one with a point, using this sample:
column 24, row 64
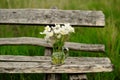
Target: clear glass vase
column 58, row 58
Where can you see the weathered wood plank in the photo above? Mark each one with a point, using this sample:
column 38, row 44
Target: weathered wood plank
column 77, row 77
column 42, row 64
column 52, row 16
column 85, row 47
column 48, row 51
column 42, row 42
column 12, row 58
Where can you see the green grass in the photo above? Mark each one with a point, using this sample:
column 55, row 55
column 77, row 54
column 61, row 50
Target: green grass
column 109, row 35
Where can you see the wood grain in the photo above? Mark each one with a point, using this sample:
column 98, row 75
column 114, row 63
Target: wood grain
column 78, row 77
column 52, row 16
column 42, row 64
column 42, row 42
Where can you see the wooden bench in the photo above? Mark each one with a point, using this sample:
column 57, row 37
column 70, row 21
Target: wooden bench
column 75, row 67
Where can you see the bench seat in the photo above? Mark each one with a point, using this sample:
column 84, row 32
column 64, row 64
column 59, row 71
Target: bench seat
column 42, row 64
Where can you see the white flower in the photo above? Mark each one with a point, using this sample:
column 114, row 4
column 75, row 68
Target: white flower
column 50, row 33
column 57, row 33
column 48, row 36
column 57, row 26
column 59, row 36
column 69, row 28
column 67, row 25
column 41, row 33
column 63, row 31
column 56, row 29
column 47, row 28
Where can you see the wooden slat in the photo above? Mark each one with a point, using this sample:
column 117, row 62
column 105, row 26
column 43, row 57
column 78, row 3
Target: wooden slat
column 52, row 16
column 42, row 42
column 77, row 77
column 42, row 64
column 48, row 51
column 85, row 47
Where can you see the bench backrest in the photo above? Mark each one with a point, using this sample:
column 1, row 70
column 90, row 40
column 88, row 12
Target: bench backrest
column 45, row 17
column 52, row 16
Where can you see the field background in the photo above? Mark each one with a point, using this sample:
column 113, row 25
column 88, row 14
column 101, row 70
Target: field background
column 109, row 35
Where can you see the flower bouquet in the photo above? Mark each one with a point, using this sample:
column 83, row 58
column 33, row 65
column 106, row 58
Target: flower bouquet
column 56, row 36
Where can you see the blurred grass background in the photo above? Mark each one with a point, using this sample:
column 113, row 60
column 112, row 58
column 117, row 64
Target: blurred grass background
column 109, row 35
